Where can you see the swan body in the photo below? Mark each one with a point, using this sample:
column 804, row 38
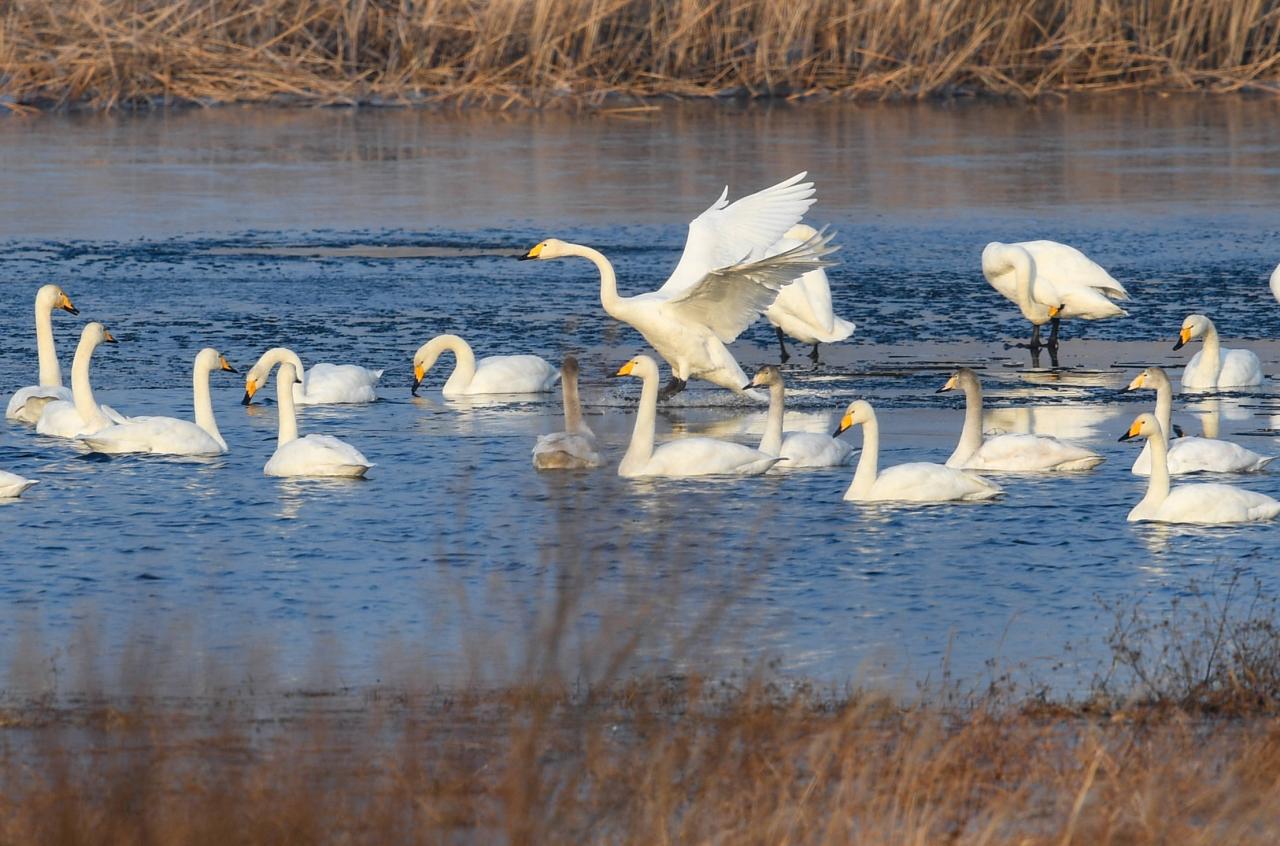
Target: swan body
column 725, row 279
column 495, row 374
column 322, row 384
column 27, row 404
column 1190, row 454
column 312, row 455
column 12, row 485
column 1275, row 282
column 1010, row 453
column 575, row 447
column 168, row 435
column 802, row 309
column 1204, row 504
column 685, row 456
column 83, row 415
column 1215, row 366
column 916, row 481
column 796, row 449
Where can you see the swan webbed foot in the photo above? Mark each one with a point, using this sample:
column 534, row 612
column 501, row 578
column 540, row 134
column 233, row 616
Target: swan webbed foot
column 782, row 345
column 673, row 387
column 813, row 354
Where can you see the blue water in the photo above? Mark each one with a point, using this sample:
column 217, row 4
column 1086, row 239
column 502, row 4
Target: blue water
column 449, row 560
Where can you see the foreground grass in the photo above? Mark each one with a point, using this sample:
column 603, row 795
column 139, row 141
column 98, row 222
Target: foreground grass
column 109, row 53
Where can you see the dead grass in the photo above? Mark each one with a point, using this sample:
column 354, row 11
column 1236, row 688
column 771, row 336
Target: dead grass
column 106, row 54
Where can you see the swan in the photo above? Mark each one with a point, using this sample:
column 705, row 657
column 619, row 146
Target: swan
column 495, row 374
column 686, row 456
column 1010, row 453
column 168, row 435
column 83, row 415
column 917, row 481
column 27, row 403
column 313, row 455
column 575, row 447
column 724, row 280
column 797, row 449
column 322, row 384
column 1190, row 454
column 802, row 309
column 1202, row 503
column 1215, row 366
column 1275, row 282
column 12, row 485
column 1050, row 282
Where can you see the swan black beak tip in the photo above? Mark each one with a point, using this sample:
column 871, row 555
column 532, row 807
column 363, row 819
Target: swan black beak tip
column 748, row 386
column 526, row 258
column 71, row 310
column 414, row 389
column 248, row 399
column 941, row 391
column 1123, row 437
column 1178, row 345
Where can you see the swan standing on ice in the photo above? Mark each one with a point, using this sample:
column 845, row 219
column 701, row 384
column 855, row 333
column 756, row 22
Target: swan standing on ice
column 1207, row 504
column 12, row 485
column 27, row 403
column 1050, row 282
column 1190, row 454
column 797, row 449
column 1011, row 453
column 496, row 374
column 916, row 481
column 575, row 447
column 803, row 309
column 313, row 455
column 724, row 281
column 1215, row 366
column 169, row 435
column 83, row 415
column 322, row 384
column 685, row 456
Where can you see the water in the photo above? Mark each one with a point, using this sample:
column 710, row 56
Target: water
column 353, row 237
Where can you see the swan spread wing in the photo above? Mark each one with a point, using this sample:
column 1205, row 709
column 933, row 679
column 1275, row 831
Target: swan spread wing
column 729, row 233
column 727, row 300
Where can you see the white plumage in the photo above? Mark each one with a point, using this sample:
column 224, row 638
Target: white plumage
column 321, row 384
column 312, row 455
column 27, row 404
column 1215, row 366
column 496, row 374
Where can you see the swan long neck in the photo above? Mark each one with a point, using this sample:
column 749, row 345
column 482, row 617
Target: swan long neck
column 971, row 434
column 1164, row 407
column 464, row 368
column 608, row 279
column 1158, row 485
column 1023, row 274
column 81, row 390
column 771, row 443
column 284, row 397
column 864, row 478
column 572, row 404
column 203, row 402
column 1213, row 351
column 50, row 372
column 641, row 448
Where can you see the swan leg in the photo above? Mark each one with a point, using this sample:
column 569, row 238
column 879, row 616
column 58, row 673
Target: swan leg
column 673, row 387
column 1035, row 344
column 813, row 354
column 782, row 344
column 1053, row 334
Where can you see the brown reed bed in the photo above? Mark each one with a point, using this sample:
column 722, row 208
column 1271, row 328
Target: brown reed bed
column 105, row 54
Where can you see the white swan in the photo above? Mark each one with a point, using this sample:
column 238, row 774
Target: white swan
column 322, row 384
column 685, row 456
column 83, row 415
column 1215, row 366
column 495, row 374
column 168, row 435
column 1275, row 282
column 313, row 455
column 803, row 309
column 723, row 282
column 1010, row 453
column 27, row 403
column 917, row 481
column 575, row 447
column 797, row 449
column 1205, row 503
column 1190, row 454
column 1049, row 281
column 12, row 485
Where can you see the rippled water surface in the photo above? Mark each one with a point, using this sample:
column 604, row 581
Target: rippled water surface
column 355, row 236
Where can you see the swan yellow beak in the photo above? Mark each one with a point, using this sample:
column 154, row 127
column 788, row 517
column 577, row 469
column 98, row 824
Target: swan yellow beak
column 222, row 362
column 418, row 372
column 626, row 369
column 250, row 388
column 1183, row 337
column 533, row 253
column 1139, row 381
column 950, row 386
column 64, row 303
column 1054, row 311
column 846, row 423
column 108, row 338
column 1133, row 432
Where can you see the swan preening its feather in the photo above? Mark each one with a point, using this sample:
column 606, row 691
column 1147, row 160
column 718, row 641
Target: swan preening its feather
column 496, row 374
column 322, row 384
column 83, row 415
column 802, row 310
column 1206, row 504
column 1215, row 366
column 27, row 404
column 574, row 448
column 312, row 455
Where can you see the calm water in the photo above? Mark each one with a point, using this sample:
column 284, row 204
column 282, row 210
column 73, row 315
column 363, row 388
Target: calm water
column 166, row 228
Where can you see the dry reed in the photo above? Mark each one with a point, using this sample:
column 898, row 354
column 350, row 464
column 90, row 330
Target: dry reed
column 111, row 53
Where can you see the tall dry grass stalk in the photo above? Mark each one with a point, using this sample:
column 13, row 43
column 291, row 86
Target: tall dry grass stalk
column 110, row 53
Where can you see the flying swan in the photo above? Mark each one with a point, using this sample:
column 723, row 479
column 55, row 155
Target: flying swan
column 27, row 403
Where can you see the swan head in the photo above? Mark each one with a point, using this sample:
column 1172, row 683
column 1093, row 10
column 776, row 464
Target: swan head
column 767, row 376
column 1144, row 426
column 50, row 297
column 999, row 258
column 859, row 411
column 261, row 370
column 548, row 249
column 1152, row 378
column 963, row 376
column 95, row 333
column 569, row 368
column 800, row 232
column 209, row 359
column 428, row 353
column 1195, row 326
column 641, row 366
